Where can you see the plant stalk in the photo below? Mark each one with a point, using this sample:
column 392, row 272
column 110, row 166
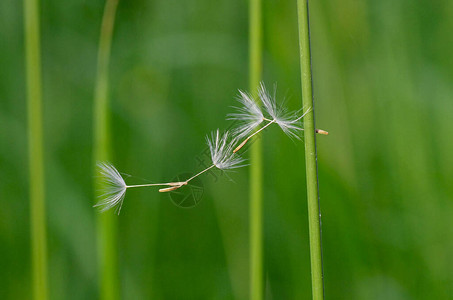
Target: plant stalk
column 107, row 223
column 35, row 150
column 256, row 169
column 314, row 214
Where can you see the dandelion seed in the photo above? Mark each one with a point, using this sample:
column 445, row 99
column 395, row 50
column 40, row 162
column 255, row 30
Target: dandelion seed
column 222, row 151
column 113, row 188
column 323, row 132
column 249, row 115
column 289, row 122
column 170, row 189
column 222, row 157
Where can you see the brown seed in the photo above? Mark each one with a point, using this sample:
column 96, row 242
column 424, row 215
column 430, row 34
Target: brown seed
column 320, row 131
column 169, row 189
column 240, row 146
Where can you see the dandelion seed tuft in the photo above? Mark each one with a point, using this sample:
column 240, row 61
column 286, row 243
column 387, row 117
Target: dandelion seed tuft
column 113, row 188
column 222, row 151
column 249, row 115
column 289, row 122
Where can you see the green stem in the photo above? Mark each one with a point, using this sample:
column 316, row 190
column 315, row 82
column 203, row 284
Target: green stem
column 314, row 215
column 107, row 223
column 35, row 149
column 256, row 177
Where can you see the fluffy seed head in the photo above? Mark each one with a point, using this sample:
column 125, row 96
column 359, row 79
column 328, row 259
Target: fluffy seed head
column 222, row 151
column 289, row 122
column 113, row 188
column 249, row 115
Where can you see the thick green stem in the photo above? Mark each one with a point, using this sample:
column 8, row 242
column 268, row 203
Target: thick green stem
column 256, row 185
column 35, row 149
column 314, row 214
column 107, row 223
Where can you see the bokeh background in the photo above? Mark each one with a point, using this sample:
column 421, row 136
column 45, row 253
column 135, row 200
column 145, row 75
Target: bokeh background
column 383, row 83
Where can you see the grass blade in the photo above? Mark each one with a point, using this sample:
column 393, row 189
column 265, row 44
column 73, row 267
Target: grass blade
column 256, row 177
column 314, row 218
column 107, row 223
column 35, row 149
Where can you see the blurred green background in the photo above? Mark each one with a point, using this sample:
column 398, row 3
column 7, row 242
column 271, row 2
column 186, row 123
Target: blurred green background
column 383, row 74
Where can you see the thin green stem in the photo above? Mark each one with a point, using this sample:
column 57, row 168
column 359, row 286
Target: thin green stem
column 256, row 169
column 314, row 213
column 107, row 226
column 35, row 150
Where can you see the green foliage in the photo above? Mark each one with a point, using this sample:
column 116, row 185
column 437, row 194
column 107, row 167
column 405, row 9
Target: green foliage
column 382, row 81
